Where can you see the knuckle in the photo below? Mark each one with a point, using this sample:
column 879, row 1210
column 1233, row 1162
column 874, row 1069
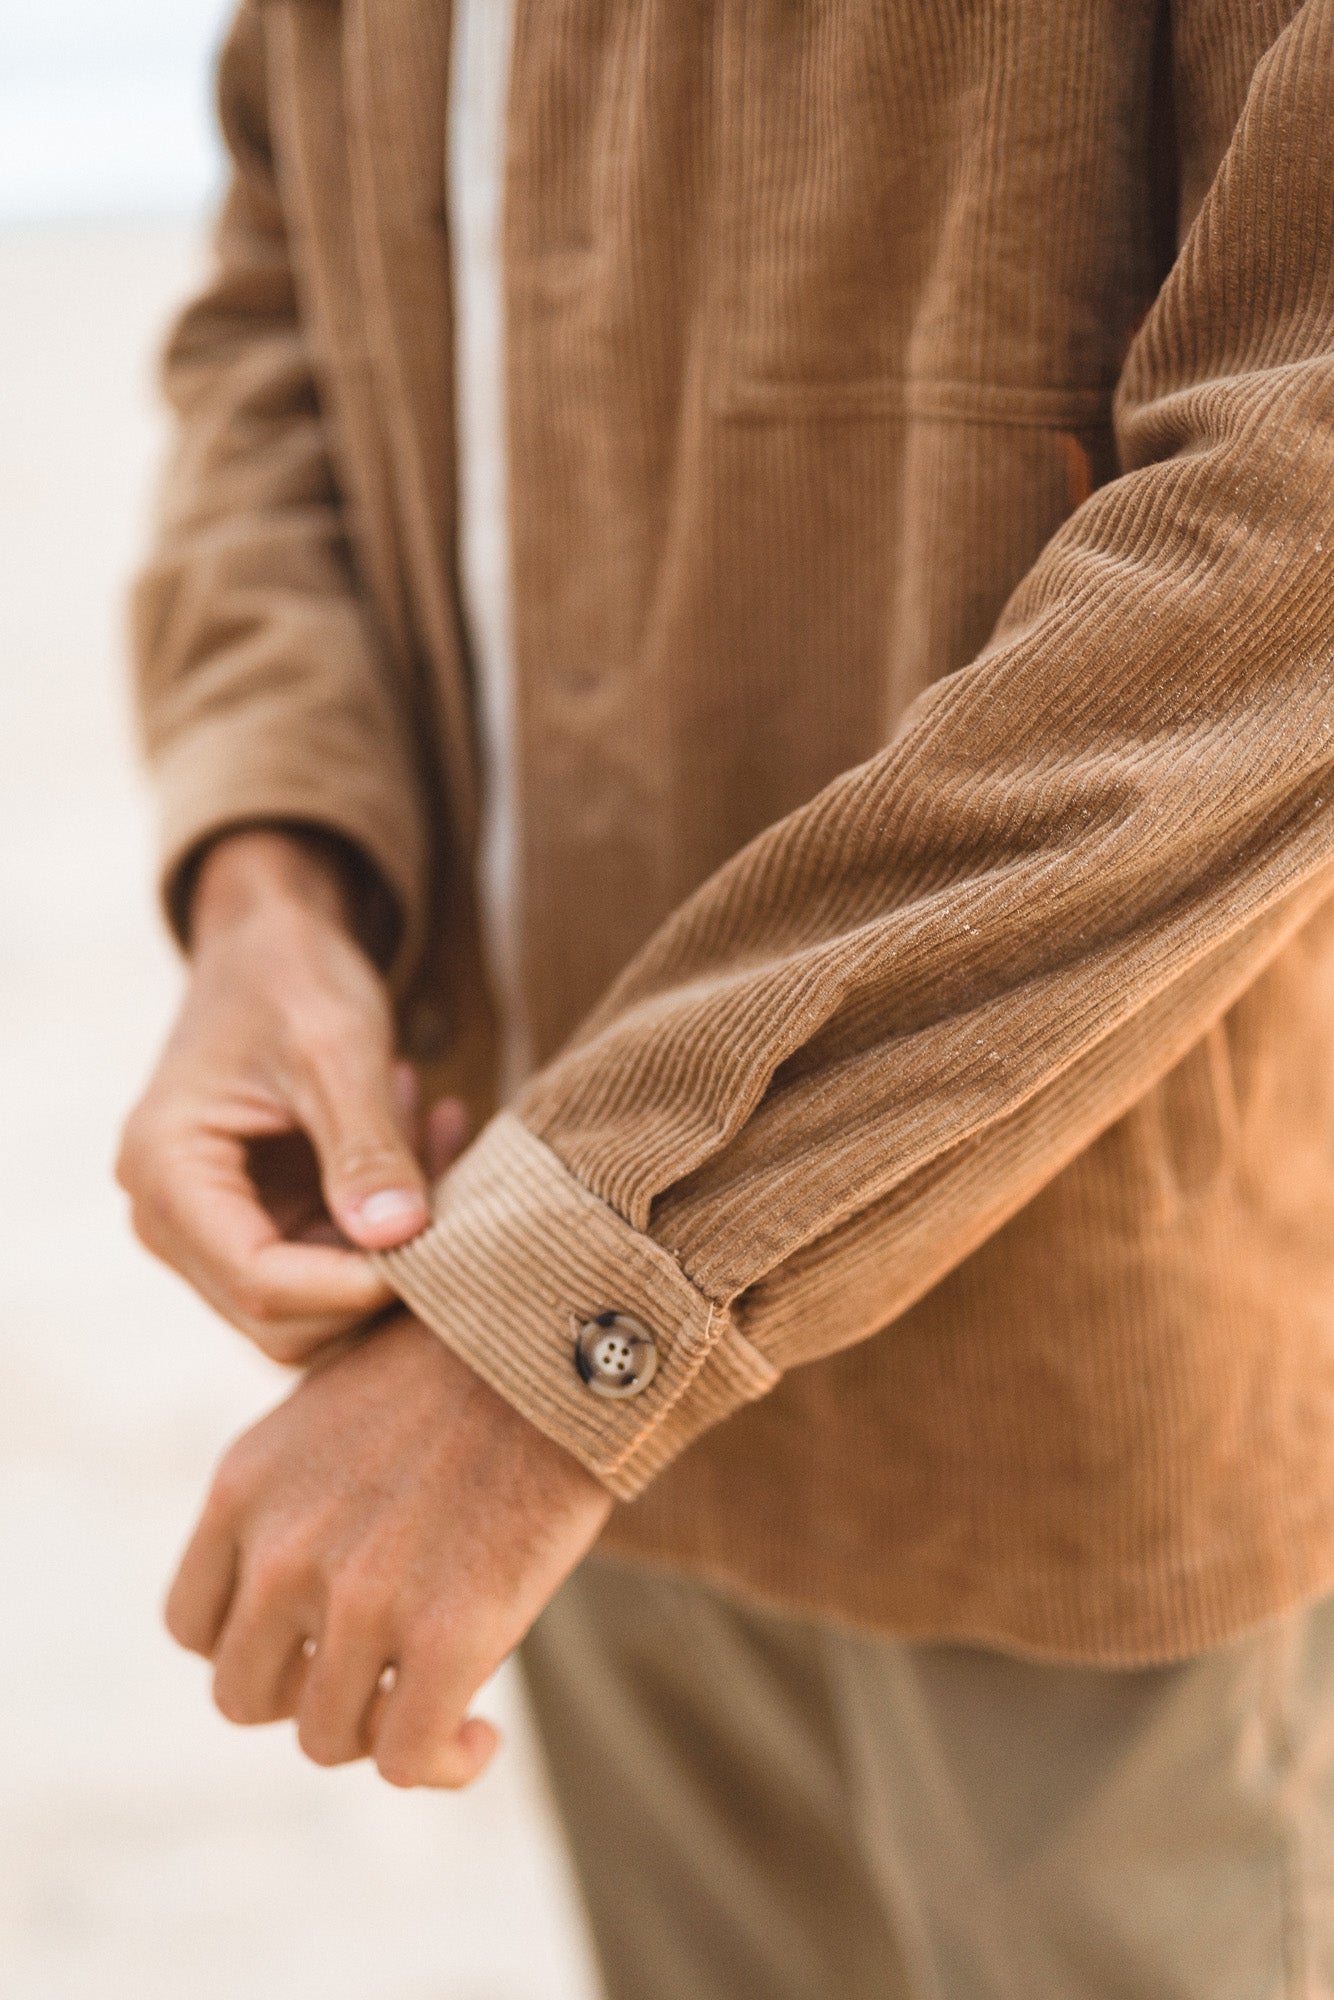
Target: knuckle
column 268, row 1319
column 234, row 1702
column 138, row 1153
column 145, row 1224
column 359, row 1602
column 252, row 1300
column 324, row 1746
column 277, row 1571
column 133, row 1148
column 282, row 1345
column 153, row 1184
column 451, row 1776
column 265, row 1314
column 125, row 1167
column 230, row 1488
column 401, row 1767
column 181, row 1627
column 366, row 1162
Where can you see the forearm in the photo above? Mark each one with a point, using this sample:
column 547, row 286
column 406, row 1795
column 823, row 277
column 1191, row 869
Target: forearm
column 922, row 992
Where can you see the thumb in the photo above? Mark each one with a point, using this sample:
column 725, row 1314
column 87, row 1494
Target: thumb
column 372, row 1183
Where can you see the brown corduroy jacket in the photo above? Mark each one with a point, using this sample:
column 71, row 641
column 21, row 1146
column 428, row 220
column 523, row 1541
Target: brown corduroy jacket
column 922, row 510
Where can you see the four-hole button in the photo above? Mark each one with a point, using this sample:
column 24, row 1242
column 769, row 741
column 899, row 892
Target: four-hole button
column 615, row 1355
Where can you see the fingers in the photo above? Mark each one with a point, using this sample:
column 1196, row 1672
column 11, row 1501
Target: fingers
column 261, row 1658
column 394, row 1519
column 420, row 1732
column 349, row 1103
column 276, row 1654
column 201, row 1591
column 200, row 1214
column 285, row 1034
column 250, row 1607
column 342, row 1687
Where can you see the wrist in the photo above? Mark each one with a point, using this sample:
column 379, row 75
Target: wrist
column 255, row 871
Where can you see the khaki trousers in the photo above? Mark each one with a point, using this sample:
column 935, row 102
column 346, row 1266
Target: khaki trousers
column 761, row 1809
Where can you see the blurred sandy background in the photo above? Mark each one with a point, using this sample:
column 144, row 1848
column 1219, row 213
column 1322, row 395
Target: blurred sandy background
column 146, row 1849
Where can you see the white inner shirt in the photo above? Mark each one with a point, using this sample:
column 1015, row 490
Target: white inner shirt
column 474, row 183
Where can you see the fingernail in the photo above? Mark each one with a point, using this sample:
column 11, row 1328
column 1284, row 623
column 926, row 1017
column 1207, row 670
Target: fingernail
column 389, row 1205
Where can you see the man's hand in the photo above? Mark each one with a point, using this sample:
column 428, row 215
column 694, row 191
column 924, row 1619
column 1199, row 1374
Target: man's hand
column 271, row 1145
column 396, row 1513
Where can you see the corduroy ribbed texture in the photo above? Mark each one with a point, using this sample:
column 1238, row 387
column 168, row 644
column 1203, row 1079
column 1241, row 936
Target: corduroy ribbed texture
column 519, row 1256
column 922, row 482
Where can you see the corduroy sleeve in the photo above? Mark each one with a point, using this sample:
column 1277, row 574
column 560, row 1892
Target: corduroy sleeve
column 875, row 1033
column 262, row 684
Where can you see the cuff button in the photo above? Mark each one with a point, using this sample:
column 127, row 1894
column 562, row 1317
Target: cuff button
column 615, row 1355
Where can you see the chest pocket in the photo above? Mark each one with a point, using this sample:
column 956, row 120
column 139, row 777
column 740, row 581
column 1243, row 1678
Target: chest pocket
column 914, row 215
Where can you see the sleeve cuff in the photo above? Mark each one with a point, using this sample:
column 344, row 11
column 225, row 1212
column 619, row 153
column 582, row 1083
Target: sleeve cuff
column 206, row 785
column 520, row 1256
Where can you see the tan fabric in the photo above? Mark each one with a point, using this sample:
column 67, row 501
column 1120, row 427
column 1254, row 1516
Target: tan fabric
column 922, row 476
column 760, row 1807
